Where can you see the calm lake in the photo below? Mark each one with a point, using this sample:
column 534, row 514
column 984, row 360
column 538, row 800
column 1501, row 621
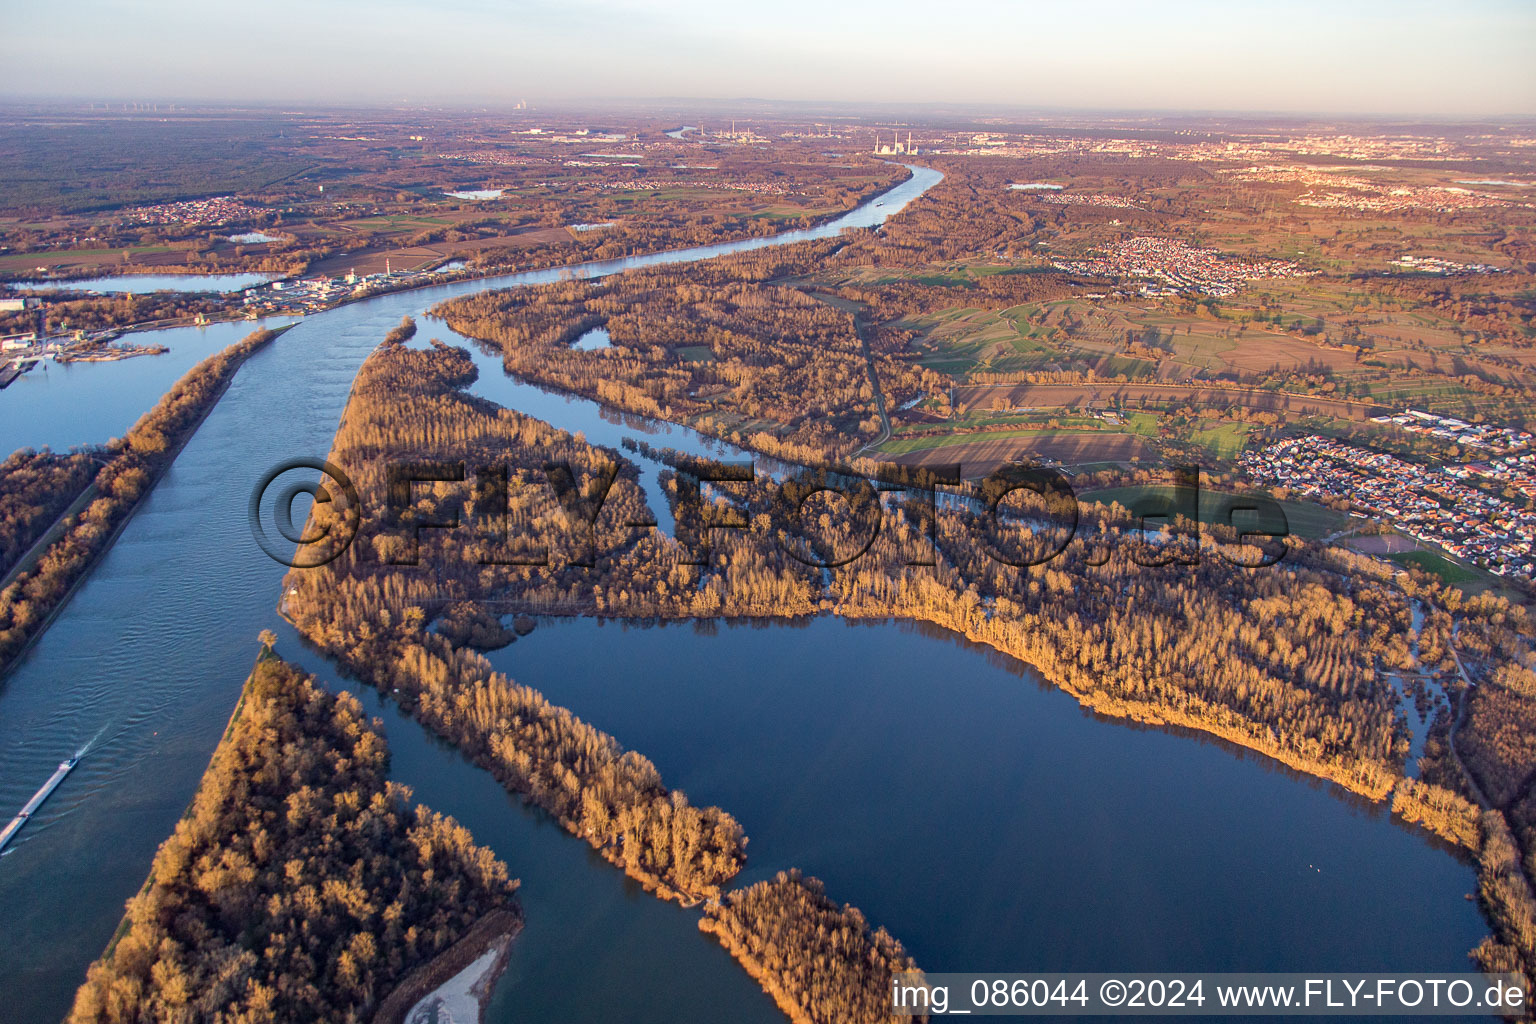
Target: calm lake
column 988, row 822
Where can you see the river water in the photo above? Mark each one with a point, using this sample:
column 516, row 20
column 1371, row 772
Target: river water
column 141, row 284
column 61, row 405
column 989, row 822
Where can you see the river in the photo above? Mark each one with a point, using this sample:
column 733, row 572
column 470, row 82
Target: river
column 986, row 820
column 143, row 284
column 66, row 404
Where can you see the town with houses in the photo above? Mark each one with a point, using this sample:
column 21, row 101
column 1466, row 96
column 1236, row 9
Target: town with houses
column 1089, row 199
column 1438, row 507
column 213, row 211
column 1448, row 428
column 1181, row 267
column 1342, row 187
column 1436, row 265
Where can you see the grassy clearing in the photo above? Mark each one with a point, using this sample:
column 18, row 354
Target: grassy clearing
column 1436, row 565
column 1224, row 441
column 398, row 222
column 901, row 446
column 26, row 261
column 1303, row 519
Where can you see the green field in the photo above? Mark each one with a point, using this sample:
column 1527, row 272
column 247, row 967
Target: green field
column 1019, row 421
column 1224, row 441
column 400, row 222
column 1303, row 519
column 26, row 261
column 903, row 445
column 963, row 340
column 1436, row 565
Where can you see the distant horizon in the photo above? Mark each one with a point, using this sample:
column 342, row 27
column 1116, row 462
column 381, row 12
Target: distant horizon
column 890, row 110
column 1369, row 58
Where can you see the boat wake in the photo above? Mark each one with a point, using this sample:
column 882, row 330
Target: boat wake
column 90, row 743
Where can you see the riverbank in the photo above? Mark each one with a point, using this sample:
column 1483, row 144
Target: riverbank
column 127, row 479
column 457, row 985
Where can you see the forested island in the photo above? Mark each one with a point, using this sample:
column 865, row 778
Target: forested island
column 124, row 472
column 301, row 884
column 612, row 798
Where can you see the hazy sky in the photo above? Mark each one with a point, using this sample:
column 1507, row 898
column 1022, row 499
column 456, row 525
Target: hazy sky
column 1393, row 56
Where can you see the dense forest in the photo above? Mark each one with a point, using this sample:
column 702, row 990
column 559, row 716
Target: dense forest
column 131, row 468
column 35, row 489
column 719, row 345
column 820, row 962
column 301, row 885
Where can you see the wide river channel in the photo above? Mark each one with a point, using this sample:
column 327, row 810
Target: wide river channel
column 985, row 819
